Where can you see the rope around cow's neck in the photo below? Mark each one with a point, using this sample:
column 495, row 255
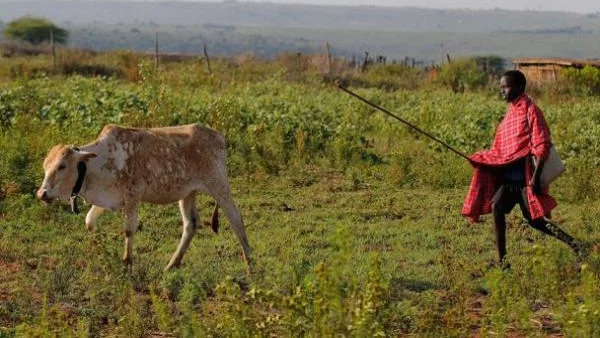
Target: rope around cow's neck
column 81, row 170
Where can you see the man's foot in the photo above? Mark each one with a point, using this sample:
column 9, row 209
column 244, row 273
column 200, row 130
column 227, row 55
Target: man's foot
column 581, row 250
column 501, row 264
column 505, row 265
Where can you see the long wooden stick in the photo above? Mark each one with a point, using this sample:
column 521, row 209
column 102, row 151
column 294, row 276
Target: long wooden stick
column 404, row 121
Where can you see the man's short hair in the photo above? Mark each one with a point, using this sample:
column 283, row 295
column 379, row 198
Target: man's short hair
column 518, row 78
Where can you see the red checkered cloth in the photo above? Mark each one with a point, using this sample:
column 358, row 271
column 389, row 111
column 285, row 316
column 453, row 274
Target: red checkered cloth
column 512, row 143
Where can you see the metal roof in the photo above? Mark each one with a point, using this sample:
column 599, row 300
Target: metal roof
column 556, row 61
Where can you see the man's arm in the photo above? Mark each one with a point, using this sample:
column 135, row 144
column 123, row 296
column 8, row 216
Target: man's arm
column 536, row 183
column 540, row 133
column 541, row 143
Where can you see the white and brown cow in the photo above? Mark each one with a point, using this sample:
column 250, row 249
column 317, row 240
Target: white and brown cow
column 127, row 166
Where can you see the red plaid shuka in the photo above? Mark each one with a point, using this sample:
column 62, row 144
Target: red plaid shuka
column 512, row 142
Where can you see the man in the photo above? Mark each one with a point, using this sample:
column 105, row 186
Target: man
column 505, row 176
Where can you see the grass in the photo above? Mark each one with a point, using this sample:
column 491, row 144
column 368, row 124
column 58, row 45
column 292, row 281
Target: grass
column 354, row 220
column 435, row 271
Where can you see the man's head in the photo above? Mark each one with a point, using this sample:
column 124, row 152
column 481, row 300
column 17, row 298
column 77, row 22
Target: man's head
column 512, row 85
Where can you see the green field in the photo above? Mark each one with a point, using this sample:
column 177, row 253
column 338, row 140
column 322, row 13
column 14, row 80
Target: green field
column 354, row 220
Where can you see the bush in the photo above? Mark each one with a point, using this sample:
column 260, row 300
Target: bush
column 392, row 77
column 585, row 81
column 17, row 48
column 462, row 74
column 75, row 68
column 491, row 64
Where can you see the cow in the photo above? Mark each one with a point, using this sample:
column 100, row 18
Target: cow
column 124, row 167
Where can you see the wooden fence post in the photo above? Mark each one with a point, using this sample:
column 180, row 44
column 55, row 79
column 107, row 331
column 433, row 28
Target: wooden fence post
column 155, row 50
column 328, row 57
column 366, row 62
column 206, row 58
column 299, row 65
column 53, row 50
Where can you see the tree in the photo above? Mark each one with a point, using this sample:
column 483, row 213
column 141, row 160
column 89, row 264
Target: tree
column 34, row 30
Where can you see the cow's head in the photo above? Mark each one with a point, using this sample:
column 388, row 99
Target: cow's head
column 60, row 172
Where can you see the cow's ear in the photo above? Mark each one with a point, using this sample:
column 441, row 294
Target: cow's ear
column 85, row 155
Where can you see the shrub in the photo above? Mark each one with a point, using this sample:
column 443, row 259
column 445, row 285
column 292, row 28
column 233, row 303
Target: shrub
column 75, row 68
column 491, row 64
column 392, row 77
column 462, row 74
column 17, row 48
column 585, row 81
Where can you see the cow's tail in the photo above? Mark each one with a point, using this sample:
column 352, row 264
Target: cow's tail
column 214, row 220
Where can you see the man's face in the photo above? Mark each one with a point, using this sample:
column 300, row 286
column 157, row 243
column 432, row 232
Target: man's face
column 508, row 90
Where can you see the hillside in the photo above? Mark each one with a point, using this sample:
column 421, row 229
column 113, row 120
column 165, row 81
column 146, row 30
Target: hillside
column 299, row 16
column 268, row 29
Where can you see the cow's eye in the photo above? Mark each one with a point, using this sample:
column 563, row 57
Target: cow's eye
column 61, row 167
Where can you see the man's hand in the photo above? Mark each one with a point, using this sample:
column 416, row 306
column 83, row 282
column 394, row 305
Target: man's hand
column 535, row 183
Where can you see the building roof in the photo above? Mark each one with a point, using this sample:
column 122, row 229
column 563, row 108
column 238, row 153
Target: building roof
column 556, row 61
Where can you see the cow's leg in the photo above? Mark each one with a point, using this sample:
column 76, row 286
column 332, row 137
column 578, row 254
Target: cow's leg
column 222, row 195
column 92, row 216
column 191, row 219
column 131, row 224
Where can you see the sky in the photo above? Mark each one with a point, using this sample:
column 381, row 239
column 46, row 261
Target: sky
column 579, row 6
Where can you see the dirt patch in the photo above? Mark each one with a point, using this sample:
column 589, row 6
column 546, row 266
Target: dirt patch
column 7, row 278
